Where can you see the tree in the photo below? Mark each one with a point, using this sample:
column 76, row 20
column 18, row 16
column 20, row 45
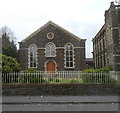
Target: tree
column 9, row 64
column 8, row 42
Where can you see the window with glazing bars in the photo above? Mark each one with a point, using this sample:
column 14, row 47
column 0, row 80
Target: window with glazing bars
column 69, row 63
column 50, row 50
column 33, row 56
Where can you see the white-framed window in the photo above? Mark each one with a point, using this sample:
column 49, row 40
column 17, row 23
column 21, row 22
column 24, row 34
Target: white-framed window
column 32, row 56
column 50, row 50
column 69, row 56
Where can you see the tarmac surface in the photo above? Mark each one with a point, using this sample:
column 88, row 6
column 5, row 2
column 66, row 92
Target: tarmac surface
column 60, row 103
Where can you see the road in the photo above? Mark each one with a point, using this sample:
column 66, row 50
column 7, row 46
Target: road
column 60, row 103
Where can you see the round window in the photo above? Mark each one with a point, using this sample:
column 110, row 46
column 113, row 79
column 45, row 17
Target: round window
column 50, row 35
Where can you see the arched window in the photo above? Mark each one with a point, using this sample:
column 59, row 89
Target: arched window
column 50, row 50
column 32, row 56
column 69, row 56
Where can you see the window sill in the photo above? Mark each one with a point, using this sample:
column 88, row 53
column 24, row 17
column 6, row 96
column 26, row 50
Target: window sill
column 69, row 67
column 32, row 67
column 49, row 56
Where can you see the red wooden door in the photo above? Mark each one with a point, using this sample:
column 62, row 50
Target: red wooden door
column 51, row 66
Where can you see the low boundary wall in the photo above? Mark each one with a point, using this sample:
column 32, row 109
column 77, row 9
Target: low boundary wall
column 59, row 89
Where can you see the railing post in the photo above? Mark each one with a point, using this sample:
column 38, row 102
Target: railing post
column 8, row 77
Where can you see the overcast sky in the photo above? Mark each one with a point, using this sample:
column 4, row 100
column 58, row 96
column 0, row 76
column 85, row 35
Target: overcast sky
column 84, row 18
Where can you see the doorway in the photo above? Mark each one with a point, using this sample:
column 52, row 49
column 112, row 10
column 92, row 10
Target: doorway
column 51, row 66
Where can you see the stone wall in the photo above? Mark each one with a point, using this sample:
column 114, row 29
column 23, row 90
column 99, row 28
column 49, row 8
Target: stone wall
column 60, row 39
column 106, row 50
column 59, row 89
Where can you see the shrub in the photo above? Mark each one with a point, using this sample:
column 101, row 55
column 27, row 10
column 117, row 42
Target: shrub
column 74, row 81
column 23, row 78
column 98, row 77
column 104, row 69
column 101, row 75
column 58, row 80
column 55, row 80
column 31, row 78
column 7, row 69
column 90, row 70
column 32, row 75
column 9, row 64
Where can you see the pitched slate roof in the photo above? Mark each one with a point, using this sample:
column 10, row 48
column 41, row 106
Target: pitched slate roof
column 57, row 26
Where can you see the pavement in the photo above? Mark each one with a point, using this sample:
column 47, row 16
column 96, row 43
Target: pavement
column 59, row 99
column 60, row 103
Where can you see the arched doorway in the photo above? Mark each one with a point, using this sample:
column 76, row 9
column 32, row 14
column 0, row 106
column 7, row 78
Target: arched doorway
column 51, row 66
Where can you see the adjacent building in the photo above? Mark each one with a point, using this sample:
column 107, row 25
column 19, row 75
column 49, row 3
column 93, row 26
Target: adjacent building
column 52, row 48
column 106, row 44
column 89, row 63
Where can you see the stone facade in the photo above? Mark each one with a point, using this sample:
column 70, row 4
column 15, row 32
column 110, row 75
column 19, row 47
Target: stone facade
column 60, row 39
column 106, row 44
